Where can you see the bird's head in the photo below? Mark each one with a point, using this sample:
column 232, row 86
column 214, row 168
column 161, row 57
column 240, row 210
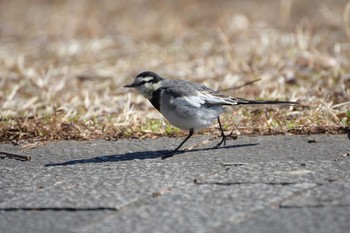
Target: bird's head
column 146, row 83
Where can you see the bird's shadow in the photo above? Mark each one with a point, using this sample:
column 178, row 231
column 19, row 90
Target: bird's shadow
column 138, row 155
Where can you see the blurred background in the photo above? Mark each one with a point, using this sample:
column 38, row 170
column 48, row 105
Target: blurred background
column 63, row 64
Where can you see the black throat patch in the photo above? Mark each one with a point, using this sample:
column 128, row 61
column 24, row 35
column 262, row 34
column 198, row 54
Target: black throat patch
column 155, row 100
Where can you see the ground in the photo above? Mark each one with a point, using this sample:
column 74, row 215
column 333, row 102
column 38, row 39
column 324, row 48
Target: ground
column 253, row 184
column 63, row 65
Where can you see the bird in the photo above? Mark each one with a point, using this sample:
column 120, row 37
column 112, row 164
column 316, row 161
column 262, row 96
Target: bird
column 188, row 105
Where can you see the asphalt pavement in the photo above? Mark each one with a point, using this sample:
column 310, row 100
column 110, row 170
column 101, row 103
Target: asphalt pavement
column 253, row 184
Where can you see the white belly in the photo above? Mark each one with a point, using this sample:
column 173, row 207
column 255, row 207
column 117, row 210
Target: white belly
column 186, row 116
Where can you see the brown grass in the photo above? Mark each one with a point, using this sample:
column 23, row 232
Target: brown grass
column 63, row 64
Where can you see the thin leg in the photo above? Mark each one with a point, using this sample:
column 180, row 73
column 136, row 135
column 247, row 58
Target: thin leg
column 171, row 154
column 223, row 140
column 183, row 142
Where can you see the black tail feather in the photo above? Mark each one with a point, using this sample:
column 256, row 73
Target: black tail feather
column 252, row 102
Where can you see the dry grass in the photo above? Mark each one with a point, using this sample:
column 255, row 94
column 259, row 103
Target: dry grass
column 63, row 64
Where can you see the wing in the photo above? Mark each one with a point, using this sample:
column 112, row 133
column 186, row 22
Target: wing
column 196, row 94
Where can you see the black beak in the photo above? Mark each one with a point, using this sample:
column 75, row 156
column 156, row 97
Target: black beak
column 129, row 85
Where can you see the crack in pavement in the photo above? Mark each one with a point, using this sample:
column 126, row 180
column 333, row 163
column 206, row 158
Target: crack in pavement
column 244, row 183
column 314, row 206
column 70, row 209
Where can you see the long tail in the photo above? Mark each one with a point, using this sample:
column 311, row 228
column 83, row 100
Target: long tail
column 252, row 102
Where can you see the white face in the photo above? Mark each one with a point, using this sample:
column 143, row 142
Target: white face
column 145, row 87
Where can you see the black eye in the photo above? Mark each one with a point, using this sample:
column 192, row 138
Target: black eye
column 139, row 84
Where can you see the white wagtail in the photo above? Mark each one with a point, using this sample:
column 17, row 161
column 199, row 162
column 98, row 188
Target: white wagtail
column 187, row 105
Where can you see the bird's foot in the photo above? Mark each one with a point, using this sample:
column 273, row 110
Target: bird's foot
column 170, row 154
column 223, row 140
